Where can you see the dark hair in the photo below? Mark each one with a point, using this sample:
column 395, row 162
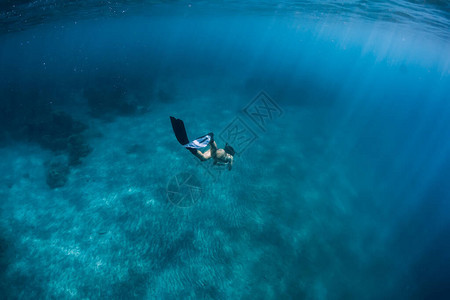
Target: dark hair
column 228, row 149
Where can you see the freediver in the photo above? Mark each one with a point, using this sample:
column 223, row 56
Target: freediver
column 220, row 156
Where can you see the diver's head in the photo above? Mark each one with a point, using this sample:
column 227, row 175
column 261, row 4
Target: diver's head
column 228, row 149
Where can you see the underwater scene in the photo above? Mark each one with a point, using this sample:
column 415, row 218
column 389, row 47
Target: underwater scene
column 318, row 138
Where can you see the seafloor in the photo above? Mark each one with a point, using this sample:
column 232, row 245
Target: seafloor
column 291, row 219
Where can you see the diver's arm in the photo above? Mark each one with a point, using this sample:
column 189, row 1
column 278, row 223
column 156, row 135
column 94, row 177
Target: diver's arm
column 230, row 164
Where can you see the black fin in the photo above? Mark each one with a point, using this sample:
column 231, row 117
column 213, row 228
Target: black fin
column 179, row 130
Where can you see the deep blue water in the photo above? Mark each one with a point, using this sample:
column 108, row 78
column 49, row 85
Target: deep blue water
column 339, row 189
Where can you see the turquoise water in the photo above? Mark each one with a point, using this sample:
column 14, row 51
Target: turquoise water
column 339, row 113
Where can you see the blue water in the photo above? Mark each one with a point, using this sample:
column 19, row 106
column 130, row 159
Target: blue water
column 339, row 113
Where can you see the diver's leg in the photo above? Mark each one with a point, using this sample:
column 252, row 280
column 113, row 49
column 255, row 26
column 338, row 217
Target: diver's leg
column 207, row 154
column 203, row 156
column 213, row 148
